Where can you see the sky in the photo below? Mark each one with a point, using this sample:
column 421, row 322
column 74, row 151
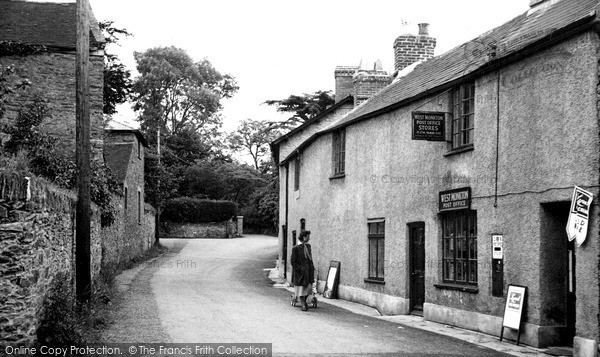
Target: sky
column 278, row 48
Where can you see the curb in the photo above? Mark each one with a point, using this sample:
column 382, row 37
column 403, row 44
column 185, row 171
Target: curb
column 418, row 322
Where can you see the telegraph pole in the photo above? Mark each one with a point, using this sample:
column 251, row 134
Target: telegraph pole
column 157, row 220
column 83, row 276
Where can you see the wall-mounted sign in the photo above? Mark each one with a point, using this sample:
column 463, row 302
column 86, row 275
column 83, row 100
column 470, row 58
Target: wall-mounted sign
column 579, row 215
column 429, row 126
column 497, row 265
column 513, row 310
column 456, row 199
column 497, row 241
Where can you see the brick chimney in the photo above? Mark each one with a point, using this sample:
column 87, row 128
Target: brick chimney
column 343, row 81
column 369, row 79
column 410, row 48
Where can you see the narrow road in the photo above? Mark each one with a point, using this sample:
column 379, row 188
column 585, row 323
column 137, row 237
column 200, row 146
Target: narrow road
column 217, row 291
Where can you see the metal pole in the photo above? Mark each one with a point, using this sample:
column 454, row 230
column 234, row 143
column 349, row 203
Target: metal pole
column 83, row 276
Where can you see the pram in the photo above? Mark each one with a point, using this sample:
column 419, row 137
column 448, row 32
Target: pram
column 296, row 300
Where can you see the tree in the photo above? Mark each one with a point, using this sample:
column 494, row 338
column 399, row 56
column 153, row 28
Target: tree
column 117, row 79
column 173, row 93
column 253, row 137
column 304, row 106
column 218, row 180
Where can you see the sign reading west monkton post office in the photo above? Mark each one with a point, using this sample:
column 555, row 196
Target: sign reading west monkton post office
column 430, row 126
column 456, row 199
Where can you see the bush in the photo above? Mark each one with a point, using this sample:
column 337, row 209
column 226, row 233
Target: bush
column 60, row 322
column 45, row 159
column 194, row 210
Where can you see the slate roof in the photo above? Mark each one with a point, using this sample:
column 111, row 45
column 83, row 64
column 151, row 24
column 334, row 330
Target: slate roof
column 135, row 132
column 117, row 158
column 47, row 24
column 547, row 24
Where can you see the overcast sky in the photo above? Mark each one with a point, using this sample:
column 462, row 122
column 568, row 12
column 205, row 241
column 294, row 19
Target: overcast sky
column 277, row 48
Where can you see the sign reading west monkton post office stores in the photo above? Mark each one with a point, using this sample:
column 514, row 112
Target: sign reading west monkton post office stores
column 430, row 126
column 459, row 198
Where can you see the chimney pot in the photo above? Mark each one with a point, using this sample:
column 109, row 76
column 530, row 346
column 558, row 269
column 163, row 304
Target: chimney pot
column 424, row 29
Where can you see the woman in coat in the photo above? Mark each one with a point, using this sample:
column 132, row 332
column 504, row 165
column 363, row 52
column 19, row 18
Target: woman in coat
column 304, row 269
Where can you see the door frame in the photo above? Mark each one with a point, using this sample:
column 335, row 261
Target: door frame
column 410, row 250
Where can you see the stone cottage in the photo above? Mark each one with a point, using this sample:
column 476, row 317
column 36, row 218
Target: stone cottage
column 52, row 71
column 455, row 157
column 124, row 153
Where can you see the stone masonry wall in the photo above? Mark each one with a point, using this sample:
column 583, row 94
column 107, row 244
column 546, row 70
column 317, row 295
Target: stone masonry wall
column 52, row 77
column 37, row 237
column 37, row 248
column 149, row 226
column 199, row 230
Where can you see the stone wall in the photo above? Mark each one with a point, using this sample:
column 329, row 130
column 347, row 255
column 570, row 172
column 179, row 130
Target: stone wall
column 52, row 77
column 124, row 241
column 228, row 229
column 36, row 245
column 37, row 248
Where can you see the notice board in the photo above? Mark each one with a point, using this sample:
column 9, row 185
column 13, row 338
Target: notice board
column 513, row 310
column 333, row 277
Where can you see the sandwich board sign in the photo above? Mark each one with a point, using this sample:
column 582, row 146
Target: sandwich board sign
column 513, row 310
column 579, row 214
column 333, row 277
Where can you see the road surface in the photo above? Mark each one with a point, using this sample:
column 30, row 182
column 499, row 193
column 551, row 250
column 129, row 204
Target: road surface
column 218, row 291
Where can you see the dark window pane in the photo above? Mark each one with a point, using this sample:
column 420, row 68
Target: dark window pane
column 381, row 228
column 372, row 258
column 472, row 249
column 459, row 247
column 473, row 271
column 380, row 257
column 372, row 228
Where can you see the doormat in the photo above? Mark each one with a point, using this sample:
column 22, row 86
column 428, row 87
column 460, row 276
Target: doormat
column 559, row 351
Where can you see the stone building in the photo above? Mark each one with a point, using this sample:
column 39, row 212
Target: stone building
column 486, row 141
column 124, row 156
column 37, row 220
column 51, row 72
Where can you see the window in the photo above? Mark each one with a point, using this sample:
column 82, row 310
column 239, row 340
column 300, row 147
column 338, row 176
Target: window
column 463, row 109
column 459, row 244
column 376, row 249
column 297, row 173
column 139, row 150
column 302, row 224
column 339, row 152
column 126, row 197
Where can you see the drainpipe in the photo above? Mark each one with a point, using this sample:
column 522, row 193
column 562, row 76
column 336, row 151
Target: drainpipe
column 287, row 227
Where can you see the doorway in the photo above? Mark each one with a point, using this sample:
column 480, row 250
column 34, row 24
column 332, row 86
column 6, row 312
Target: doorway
column 557, row 271
column 416, row 241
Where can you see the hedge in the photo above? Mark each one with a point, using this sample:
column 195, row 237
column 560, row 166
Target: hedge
column 194, row 210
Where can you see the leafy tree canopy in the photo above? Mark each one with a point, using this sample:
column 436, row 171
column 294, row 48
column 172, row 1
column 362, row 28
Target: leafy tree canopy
column 253, row 137
column 117, row 79
column 175, row 93
column 304, row 107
